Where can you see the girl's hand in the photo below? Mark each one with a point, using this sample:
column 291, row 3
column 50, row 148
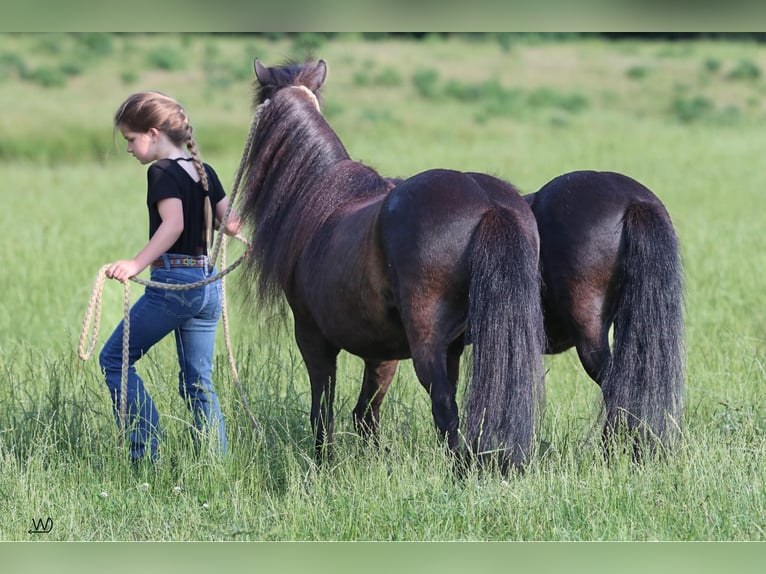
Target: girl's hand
column 123, row 270
column 233, row 221
column 233, row 226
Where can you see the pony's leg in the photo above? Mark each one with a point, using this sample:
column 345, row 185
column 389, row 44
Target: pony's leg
column 454, row 352
column 593, row 351
column 596, row 359
column 592, row 344
column 436, row 358
column 433, row 373
column 320, row 358
column 377, row 378
column 592, row 333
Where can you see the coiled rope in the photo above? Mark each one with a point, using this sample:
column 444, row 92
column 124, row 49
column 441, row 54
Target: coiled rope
column 89, row 335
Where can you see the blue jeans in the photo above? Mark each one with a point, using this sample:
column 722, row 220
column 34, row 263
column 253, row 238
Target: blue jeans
column 192, row 315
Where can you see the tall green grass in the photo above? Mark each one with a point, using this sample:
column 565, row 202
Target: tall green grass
column 73, row 200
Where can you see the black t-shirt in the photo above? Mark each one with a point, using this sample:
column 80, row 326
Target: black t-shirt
column 168, row 179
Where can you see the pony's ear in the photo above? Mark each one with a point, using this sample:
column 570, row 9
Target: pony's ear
column 263, row 74
column 317, row 77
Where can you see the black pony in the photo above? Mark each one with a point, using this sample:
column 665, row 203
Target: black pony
column 610, row 257
column 390, row 272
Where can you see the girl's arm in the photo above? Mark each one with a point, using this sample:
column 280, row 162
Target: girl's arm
column 172, row 214
column 233, row 222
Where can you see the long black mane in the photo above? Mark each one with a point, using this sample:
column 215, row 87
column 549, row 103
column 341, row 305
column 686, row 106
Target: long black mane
column 298, row 173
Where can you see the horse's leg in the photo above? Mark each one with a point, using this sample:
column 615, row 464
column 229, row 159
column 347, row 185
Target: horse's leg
column 436, row 358
column 593, row 350
column 454, row 352
column 591, row 321
column 320, row 358
column 592, row 344
column 377, row 378
column 433, row 373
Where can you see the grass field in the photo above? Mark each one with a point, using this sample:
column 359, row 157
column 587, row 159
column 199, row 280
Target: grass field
column 686, row 119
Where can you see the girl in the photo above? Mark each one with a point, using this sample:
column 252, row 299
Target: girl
column 182, row 195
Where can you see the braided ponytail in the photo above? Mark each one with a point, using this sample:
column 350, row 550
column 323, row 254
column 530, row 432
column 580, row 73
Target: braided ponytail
column 191, row 145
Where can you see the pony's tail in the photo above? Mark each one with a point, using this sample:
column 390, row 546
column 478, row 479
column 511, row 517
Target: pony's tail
column 505, row 325
column 644, row 386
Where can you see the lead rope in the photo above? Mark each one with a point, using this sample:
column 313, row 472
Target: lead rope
column 93, row 313
column 235, row 188
column 220, row 245
column 87, row 343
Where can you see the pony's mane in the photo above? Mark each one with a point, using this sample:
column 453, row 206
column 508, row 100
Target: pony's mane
column 298, row 174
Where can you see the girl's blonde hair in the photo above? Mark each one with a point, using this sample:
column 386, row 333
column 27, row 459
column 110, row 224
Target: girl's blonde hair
column 143, row 111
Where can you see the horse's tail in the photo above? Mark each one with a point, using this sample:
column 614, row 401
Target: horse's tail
column 505, row 325
column 644, row 386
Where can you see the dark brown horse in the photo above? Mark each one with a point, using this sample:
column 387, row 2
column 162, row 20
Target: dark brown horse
column 610, row 257
column 390, row 272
